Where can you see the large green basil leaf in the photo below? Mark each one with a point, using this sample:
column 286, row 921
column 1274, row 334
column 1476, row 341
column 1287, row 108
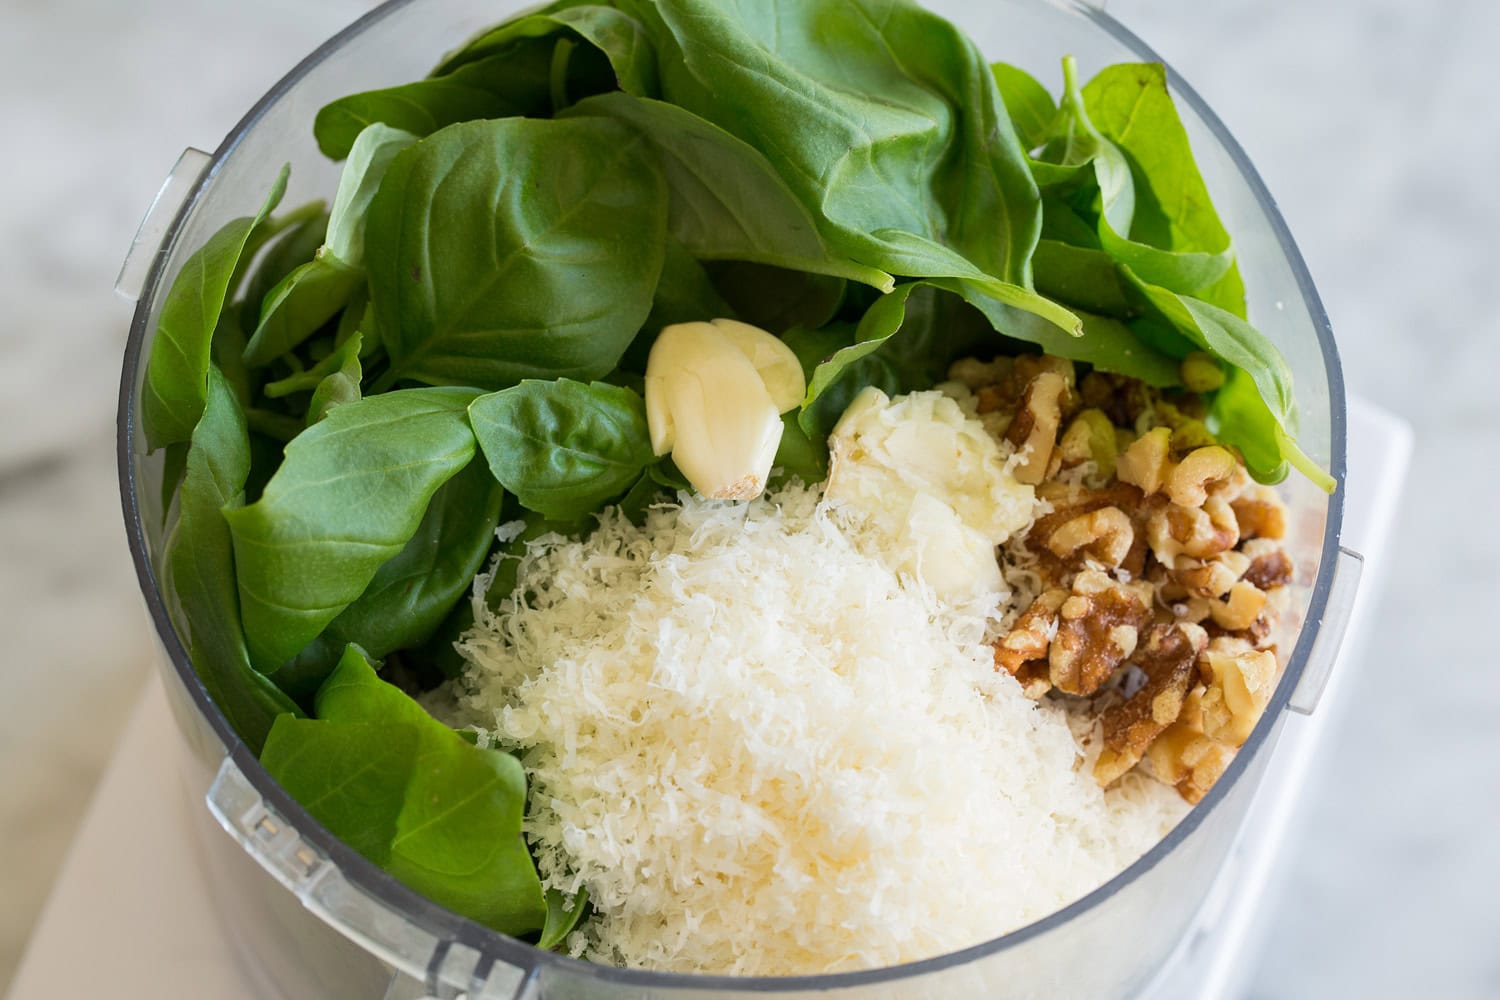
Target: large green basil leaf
column 617, row 35
column 727, row 202
column 352, row 777
column 896, row 135
column 515, row 82
column 176, row 385
column 503, row 250
column 438, row 813
column 349, row 494
column 1131, row 106
column 563, row 448
column 200, row 568
column 414, row 591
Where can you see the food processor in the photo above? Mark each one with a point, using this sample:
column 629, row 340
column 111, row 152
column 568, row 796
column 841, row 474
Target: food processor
column 312, row 917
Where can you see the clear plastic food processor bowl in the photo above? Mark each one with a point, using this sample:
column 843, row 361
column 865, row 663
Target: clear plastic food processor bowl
column 313, row 918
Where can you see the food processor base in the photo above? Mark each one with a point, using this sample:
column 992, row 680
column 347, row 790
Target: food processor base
column 133, row 894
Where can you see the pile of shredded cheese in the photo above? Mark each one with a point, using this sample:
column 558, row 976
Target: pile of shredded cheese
column 764, row 753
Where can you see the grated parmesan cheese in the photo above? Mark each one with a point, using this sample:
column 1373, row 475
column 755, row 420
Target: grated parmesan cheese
column 763, row 753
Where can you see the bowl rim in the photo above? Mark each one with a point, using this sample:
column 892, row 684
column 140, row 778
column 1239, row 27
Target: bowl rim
column 447, row 927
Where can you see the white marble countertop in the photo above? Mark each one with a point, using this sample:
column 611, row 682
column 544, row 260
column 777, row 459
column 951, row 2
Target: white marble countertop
column 1371, row 121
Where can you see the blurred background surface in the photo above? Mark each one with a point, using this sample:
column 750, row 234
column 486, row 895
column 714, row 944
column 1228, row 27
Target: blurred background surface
column 1371, row 121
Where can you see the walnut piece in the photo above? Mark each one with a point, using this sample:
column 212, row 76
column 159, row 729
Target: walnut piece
column 1031, row 634
column 1167, row 656
column 1147, row 462
column 1269, row 566
column 1184, row 757
column 1211, row 577
column 1189, row 481
column 1240, row 681
column 1240, row 608
column 1034, row 429
column 1104, row 535
column 1097, row 629
column 1260, row 513
column 1199, row 532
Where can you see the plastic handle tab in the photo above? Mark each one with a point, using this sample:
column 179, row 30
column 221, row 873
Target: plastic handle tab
column 1331, row 629
column 424, row 964
column 153, row 228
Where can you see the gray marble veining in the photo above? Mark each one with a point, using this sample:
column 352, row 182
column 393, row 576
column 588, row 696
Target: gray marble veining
column 1371, row 121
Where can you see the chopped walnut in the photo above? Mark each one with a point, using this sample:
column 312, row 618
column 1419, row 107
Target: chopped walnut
column 1260, row 513
column 1155, row 546
column 1104, row 535
column 1269, row 565
column 1168, row 657
column 1031, row 634
column 1199, row 532
column 1240, row 608
column 1211, row 577
column 1240, row 681
column 1184, row 757
column 1148, row 461
column 1189, row 481
column 1034, row 429
column 1097, row 628
column 1070, row 502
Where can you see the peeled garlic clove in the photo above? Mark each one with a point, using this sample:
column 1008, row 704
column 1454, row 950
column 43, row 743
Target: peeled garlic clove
column 707, row 404
column 778, row 366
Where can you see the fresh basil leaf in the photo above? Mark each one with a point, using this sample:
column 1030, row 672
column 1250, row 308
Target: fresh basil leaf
column 727, row 202
column 799, row 454
column 563, row 448
column 684, row 294
column 515, row 82
column 300, row 305
column 1030, row 107
column 296, row 244
column 504, row 250
column 349, row 494
column 1132, row 107
column 617, row 35
column 1081, row 277
column 777, row 299
column 352, row 776
column 458, row 832
column 199, row 560
column 1074, row 141
column 438, row 813
column 896, row 136
column 368, row 159
column 414, row 591
column 176, row 385
column 935, row 329
column 339, row 386
column 1264, row 435
column 639, row 498
column 563, row 914
column 309, row 379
